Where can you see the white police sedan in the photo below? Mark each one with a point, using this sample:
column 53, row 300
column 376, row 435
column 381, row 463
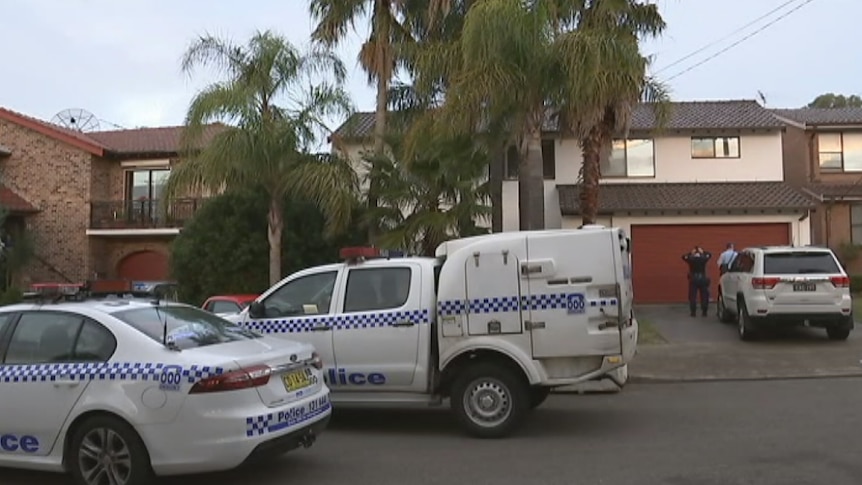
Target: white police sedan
column 115, row 391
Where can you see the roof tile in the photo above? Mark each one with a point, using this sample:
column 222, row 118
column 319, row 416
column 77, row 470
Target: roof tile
column 149, row 140
column 684, row 115
column 823, row 116
column 687, row 196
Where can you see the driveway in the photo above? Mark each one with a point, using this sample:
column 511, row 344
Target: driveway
column 702, row 348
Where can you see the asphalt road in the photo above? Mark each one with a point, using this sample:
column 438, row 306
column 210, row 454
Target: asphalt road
column 771, row 432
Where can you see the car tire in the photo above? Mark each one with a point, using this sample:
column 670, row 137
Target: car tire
column 837, row 333
column 724, row 316
column 538, row 395
column 746, row 333
column 104, row 437
column 502, row 392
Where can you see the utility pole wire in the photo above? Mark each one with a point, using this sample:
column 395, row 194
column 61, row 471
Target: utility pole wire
column 731, row 46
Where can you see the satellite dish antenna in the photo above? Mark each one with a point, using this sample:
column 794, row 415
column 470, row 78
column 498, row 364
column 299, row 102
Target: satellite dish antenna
column 76, row 119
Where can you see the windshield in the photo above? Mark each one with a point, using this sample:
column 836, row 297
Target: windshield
column 188, row 327
column 807, row 262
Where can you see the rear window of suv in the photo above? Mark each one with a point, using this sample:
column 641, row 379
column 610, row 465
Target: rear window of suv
column 188, row 327
column 800, row 262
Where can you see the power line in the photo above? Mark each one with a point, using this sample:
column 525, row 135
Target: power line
column 731, row 46
column 740, row 29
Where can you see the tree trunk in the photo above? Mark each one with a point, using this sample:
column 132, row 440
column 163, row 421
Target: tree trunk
column 383, row 78
column 589, row 194
column 531, row 183
column 495, row 178
column 275, row 228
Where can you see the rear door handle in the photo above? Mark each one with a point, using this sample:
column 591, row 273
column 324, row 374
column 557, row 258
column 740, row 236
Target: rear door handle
column 70, row 383
column 403, row 324
column 321, row 328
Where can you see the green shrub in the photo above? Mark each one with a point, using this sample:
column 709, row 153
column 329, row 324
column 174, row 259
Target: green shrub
column 11, row 296
column 856, row 283
column 224, row 248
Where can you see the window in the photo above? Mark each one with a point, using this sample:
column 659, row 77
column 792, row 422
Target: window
column 146, row 184
column 715, row 147
column 742, row 263
column 188, row 327
column 840, row 151
column 801, row 262
column 376, row 289
column 44, row 337
column 5, row 318
column 630, row 158
column 856, row 223
column 549, row 161
column 220, row 306
column 307, row 295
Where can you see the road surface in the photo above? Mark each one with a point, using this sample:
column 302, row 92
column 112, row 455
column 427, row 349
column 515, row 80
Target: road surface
column 764, row 433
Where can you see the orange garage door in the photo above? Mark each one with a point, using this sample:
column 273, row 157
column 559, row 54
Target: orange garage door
column 658, row 271
column 144, row 266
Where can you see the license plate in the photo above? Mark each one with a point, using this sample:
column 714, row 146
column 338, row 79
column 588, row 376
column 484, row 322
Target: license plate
column 804, row 287
column 296, row 380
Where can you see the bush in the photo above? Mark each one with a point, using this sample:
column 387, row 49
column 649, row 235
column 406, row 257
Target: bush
column 855, row 283
column 224, row 248
column 11, row 296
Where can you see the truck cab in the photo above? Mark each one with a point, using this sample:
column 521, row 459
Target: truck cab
column 491, row 322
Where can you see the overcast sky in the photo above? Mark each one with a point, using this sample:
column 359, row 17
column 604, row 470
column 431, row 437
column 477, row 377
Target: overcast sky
column 120, row 59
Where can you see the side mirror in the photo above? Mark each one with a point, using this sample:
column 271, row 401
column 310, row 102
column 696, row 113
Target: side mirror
column 256, row 310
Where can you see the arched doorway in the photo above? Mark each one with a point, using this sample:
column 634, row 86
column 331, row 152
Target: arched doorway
column 143, row 266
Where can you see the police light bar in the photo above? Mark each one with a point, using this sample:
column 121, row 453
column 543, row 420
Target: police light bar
column 56, row 288
column 354, row 253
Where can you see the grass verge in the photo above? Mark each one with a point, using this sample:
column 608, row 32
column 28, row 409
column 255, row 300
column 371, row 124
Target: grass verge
column 647, row 333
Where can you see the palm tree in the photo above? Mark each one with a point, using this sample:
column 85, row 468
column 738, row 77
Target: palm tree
column 521, row 62
column 266, row 144
column 606, row 76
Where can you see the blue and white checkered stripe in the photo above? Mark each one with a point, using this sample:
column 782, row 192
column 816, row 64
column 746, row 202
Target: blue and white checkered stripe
column 343, row 321
column 272, row 422
column 103, row 371
column 552, row 301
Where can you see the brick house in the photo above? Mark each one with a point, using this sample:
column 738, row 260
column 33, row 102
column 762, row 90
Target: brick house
column 823, row 156
column 715, row 174
column 91, row 201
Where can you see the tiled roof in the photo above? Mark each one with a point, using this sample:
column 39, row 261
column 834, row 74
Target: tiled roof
column 13, row 202
column 823, row 116
column 688, row 196
column 684, row 115
column 834, row 190
column 149, row 140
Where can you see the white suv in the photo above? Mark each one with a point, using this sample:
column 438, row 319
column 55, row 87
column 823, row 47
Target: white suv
column 781, row 286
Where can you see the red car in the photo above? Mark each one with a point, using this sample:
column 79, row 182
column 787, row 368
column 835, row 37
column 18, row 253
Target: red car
column 222, row 304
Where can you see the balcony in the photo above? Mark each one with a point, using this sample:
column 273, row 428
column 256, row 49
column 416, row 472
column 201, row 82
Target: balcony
column 142, row 214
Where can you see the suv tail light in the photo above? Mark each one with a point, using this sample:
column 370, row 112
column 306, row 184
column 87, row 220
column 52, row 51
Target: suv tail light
column 245, row 378
column 764, row 283
column 840, row 281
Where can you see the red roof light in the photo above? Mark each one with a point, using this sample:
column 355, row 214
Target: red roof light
column 359, row 252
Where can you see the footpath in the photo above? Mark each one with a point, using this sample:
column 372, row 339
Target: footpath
column 678, row 348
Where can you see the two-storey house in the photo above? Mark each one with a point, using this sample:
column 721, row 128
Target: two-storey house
column 92, row 202
column 823, row 156
column 713, row 175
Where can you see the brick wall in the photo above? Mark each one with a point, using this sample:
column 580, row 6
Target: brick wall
column 55, row 177
column 113, row 250
column 795, row 146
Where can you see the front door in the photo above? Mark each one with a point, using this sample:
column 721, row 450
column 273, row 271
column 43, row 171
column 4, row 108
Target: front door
column 376, row 341
column 40, row 386
column 301, row 309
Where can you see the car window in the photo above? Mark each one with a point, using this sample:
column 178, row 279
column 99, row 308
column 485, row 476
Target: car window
column 5, row 318
column 743, row 263
column 188, row 327
column 376, row 289
column 800, row 262
column 307, row 295
column 42, row 337
column 220, row 306
column 95, row 343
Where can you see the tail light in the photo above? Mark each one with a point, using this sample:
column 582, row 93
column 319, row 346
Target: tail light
column 316, row 361
column 764, row 283
column 840, row 281
column 245, row 378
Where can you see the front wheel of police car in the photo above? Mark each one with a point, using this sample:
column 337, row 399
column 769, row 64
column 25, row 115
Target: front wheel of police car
column 106, row 450
column 489, row 400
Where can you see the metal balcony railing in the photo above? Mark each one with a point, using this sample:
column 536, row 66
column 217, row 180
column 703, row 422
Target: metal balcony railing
column 142, row 214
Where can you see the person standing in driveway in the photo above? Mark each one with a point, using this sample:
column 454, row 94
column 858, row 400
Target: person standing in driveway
column 725, row 258
column 698, row 281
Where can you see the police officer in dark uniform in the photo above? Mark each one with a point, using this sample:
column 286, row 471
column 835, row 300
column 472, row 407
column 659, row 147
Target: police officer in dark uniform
column 698, row 281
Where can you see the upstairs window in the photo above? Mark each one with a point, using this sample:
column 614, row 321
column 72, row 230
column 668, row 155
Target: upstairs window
column 840, row 152
column 715, row 147
column 630, row 158
column 146, row 184
column 549, row 161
